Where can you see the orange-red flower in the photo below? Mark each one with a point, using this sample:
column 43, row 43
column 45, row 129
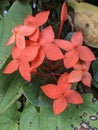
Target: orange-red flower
column 81, row 73
column 21, row 59
column 61, row 94
column 30, row 28
column 37, row 21
column 75, row 50
column 19, row 33
column 47, row 47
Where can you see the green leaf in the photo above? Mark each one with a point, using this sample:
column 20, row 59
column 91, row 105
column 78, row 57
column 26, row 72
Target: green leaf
column 1, row 27
column 10, row 90
column 95, row 83
column 73, row 117
column 33, row 93
column 15, row 16
column 9, row 119
column 29, row 119
column 96, row 76
column 95, row 65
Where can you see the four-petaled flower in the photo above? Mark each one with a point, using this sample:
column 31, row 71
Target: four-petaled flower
column 36, row 22
column 19, row 33
column 75, row 50
column 61, row 94
column 81, row 73
column 47, row 47
column 21, row 59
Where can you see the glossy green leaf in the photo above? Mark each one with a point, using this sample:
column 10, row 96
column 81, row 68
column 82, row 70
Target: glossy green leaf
column 15, row 16
column 10, row 90
column 9, row 119
column 29, row 119
column 33, row 93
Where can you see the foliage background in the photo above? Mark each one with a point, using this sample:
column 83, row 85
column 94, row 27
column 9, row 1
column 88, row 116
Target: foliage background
column 22, row 105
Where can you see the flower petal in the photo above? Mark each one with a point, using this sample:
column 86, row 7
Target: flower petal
column 77, row 39
column 11, row 67
column 52, row 52
column 84, row 65
column 71, row 58
column 17, row 28
column 86, row 79
column 63, row 82
column 24, row 70
column 41, row 18
column 27, row 30
column 74, row 97
column 20, row 41
column 29, row 20
column 75, row 76
column 16, row 52
column 63, row 44
column 44, row 38
column 51, row 91
column 30, row 52
column 38, row 60
column 85, row 54
column 34, row 37
column 87, row 65
column 59, row 105
column 11, row 40
column 78, row 66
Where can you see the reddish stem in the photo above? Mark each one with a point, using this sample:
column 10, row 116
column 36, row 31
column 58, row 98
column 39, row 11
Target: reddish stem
column 47, row 75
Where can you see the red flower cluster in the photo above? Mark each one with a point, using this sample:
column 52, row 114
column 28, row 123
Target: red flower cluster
column 32, row 46
column 29, row 54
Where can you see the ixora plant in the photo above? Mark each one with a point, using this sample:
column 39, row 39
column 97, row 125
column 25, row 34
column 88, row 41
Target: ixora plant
column 40, row 73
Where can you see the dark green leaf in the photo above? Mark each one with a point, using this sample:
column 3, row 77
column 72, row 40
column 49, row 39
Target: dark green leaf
column 95, row 66
column 95, row 83
column 96, row 76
